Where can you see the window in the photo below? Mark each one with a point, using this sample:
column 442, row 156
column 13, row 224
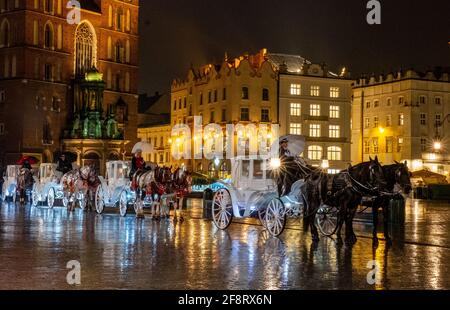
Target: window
column 48, row 6
column 48, row 36
column 314, row 110
column 215, row 95
column 376, row 147
column 175, row 105
column 335, row 131
column 333, row 171
column 389, row 145
column 224, row 115
column 423, row 119
column 265, row 115
column 389, row 102
column 400, row 142
column 56, row 104
column 209, row 97
column 366, row 122
column 315, row 91
column 265, row 94
column 212, row 117
column 48, row 72
column 438, row 119
column 201, row 99
column 315, row 130
column 245, row 114
column 2, row 96
column 185, row 102
column 295, row 129
column 86, row 49
column 388, row 120
column 401, row 119
column 401, row 100
column 335, row 111
column 296, row 109
column 161, row 142
column 334, row 153
column 179, row 104
column 366, row 146
column 2, row 129
column 438, row 100
column 296, row 89
column 368, row 104
column 422, row 100
column 376, row 122
column 224, row 94
column 245, row 94
column 334, row 92
column 424, row 144
column 315, row 152
column 376, row 103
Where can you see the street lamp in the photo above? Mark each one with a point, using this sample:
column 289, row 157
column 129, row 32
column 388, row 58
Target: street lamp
column 437, row 144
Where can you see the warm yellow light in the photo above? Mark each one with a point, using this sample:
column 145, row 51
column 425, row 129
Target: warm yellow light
column 381, row 130
column 170, row 141
column 325, row 164
column 437, row 146
column 275, row 163
column 269, row 136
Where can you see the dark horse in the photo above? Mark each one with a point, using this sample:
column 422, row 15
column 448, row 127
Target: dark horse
column 343, row 191
column 24, row 182
column 398, row 180
column 291, row 170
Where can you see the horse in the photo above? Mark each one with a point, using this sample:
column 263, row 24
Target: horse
column 24, row 182
column 182, row 186
column 79, row 185
column 343, row 191
column 291, row 170
column 398, row 180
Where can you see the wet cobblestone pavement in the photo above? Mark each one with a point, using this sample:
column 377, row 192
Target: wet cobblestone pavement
column 128, row 253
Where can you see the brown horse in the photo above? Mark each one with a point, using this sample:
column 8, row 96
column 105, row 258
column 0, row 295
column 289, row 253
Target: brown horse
column 181, row 185
column 24, row 182
column 79, row 186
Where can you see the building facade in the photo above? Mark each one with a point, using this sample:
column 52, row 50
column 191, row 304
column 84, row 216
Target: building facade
column 238, row 91
column 68, row 87
column 315, row 103
column 402, row 116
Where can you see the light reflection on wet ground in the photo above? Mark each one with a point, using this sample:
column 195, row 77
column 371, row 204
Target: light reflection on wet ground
column 126, row 253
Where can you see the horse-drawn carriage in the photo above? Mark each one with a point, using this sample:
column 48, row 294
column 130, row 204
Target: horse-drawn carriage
column 47, row 187
column 115, row 188
column 9, row 189
column 253, row 193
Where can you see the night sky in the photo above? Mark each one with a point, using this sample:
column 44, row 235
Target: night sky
column 177, row 33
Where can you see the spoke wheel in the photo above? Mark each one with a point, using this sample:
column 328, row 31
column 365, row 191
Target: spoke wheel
column 123, row 204
column 51, row 198
column 262, row 216
column 275, row 218
column 34, row 197
column 327, row 220
column 222, row 209
column 65, row 201
column 82, row 202
column 4, row 192
column 99, row 202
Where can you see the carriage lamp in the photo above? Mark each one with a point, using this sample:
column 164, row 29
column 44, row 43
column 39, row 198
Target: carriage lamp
column 275, row 163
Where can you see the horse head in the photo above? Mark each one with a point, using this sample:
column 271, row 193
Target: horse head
column 376, row 174
column 403, row 177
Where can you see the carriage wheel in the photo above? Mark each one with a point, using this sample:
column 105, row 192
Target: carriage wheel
column 99, row 202
column 82, row 202
column 123, row 204
column 327, row 220
column 34, row 197
column 262, row 216
column 4, row 192
column 275, row 217
column 51, row 198
column 65, row 201
column 222, row 209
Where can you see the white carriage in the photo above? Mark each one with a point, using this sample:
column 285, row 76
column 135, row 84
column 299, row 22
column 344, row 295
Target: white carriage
column 9, row 189
column 253, row 193
column 115, row 188
column 47, row 188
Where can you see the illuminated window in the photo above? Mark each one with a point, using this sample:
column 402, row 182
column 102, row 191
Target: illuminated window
column 333, row 171
column 295, row 129
column 401, row 119
column 423, row 119
column 315, row 91
column 388, row 120
column 335, row 131
column 315, row 130
column 376, row 146
column 334, row 92
column 334, row 153
column 314, row 110
column 296, row 109
column 315, row 152
column 265, row 115
column 335, row 111
column 424, row 144
column 296, row 89
column 366, row 146
column 400, row 142
column 376, row 122
column 366, row 122
column 245, row 114
column 389, row 144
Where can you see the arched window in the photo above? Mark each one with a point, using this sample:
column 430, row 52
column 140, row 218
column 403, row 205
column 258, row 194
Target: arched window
column 109, row 48
column 48, row 35
column 119, row 19
column 4, row 33
column 315, row 152
column 48, row 6
column 85, row 48
column 110, row 16
column 59, row 44
column 118, row 52
column 334, row 153
column 127, row 52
